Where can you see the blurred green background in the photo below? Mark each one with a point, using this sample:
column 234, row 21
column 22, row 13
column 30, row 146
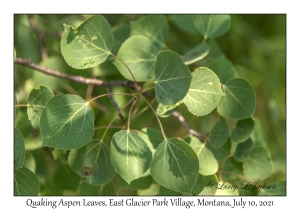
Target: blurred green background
column 255, row 44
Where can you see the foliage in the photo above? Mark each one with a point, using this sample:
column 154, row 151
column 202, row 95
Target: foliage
column 99, row 133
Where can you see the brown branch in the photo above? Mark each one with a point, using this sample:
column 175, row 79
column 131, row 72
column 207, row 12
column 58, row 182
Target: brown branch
column 114, row 103
column 191, row 131
column 79, row 79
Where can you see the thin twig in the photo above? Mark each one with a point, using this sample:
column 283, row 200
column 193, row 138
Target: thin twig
column 191, row 131
column 115, row 105
column 78, row 79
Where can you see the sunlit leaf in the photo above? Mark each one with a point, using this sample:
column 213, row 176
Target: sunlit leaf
column 196, row 54
column 92, row 163
column 219, row 135
column 143, row 182
column 38, row 98
column 259, row 164
column 206, row 185
column 30, row 162
column 243, row 150
column 139, row 54
column 172, row 77
column 89, row 44
column 154, row 27
column 204, row 93
column 208, row 164
column 273, row 189
column 152, row 190
column 175, row 165
column 26, row 182
column 211, row 26
column 223, row 68
column 231, row 169
column 242, row 130
column 19, row 149
column 67, row 122
column 130, row 155
column 239, row 100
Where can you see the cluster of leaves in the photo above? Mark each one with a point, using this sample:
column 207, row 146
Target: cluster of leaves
column 147, row 160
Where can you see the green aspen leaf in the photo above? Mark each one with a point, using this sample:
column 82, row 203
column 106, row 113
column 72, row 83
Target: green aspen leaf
column 214, row 50
column 243, row 150
column 211, row 26
column 139, row 54
column 130, row 155
column 206, row 185
column 184, row 23
column 92, row 163
column 89, row 44
column 242, row 130
column 175, row 165
column 223, row 69
column 196, row 54
column 226, row 188
column 19, row 149
column 152, row 190
column 258, row 134
column 91, row 190
column 154, row 27
column 67, row 122
column 38, row 98
column 204, row 93
column 219, row 135
column 231, row 166
column 143, row 182
column 239, row 100
column 167, row 192
column 152, row 137
column 26, row 182
column 173, row 78
column 166, row 110
column 273, row 189
column 259, row 164
column 120, row 35
column 208, row 164
column 222, row 152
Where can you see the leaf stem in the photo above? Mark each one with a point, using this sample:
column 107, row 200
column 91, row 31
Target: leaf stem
column 116, row 115
column 109, row 94
column 135, row 82
column 129, row 116
column 160, row 125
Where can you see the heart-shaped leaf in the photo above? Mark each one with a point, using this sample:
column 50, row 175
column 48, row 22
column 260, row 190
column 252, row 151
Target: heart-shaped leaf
column 239, row 100
column 93, row 163
column 130, row 155
column 154, row 27
column 139, row 54
column 204, row 93
column 38, row 98
column 67, row 122
column 89, row 44
column 175, row 165
column 211, row 26
column 172, row 78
